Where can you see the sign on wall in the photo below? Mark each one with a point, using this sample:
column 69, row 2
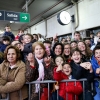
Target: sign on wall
column 15, row 16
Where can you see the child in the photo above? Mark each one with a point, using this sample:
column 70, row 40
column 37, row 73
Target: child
column 95, row 61
column 6, row 41
column 72, row 90
column 73, row 44
column 27, row 47
column 48, row 70
column 59, row 60
column 80, row 70
column 9, row 33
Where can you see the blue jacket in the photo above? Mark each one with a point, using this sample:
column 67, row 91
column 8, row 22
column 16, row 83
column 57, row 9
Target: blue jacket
column 95, row 66
column 3, row 47
column 10, row 34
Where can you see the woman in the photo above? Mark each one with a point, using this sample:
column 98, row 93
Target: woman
column 86, row 52
column 12, row 75
column 58, row 49
column 67, row 51
column 38, row 69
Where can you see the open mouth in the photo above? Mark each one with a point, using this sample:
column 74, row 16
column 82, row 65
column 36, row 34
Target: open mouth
column 76, row 58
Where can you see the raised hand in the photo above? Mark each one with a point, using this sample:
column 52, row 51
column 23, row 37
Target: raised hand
column 59, row 68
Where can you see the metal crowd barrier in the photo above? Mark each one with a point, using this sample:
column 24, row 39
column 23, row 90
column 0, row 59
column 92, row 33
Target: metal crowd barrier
column 51, row 81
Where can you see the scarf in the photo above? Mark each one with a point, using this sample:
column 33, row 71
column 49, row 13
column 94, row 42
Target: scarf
column 41, row 73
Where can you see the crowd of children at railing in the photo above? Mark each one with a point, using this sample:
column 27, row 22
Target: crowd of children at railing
column 29, row 57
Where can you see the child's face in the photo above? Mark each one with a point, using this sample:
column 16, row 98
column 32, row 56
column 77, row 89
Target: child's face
column 97, row 54
column 30, row 57
column 66, row 69
column 20, row 33
column 27, row 39
column 47, row 59
column 6, row 42
column 59, row 61
column 76, row 57
column 73, row 45
column 19, row 45
column 98, row 35
column 8, row 29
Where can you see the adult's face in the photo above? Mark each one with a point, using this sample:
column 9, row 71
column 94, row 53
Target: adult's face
column 39, row 52
column 81, row 46
column 12, row 56
column 48, row 47
column 67, row 50
column 88, row 42
column 35, row 37
column 58, row 50
column 77, row 37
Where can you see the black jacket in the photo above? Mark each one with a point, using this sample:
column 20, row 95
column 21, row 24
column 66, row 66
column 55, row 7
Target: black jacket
column 79, row 72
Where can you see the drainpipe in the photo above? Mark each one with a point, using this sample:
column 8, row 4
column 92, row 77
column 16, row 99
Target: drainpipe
column 26, row 6
column 45, row 22
column 76, row 14
column 45, row 28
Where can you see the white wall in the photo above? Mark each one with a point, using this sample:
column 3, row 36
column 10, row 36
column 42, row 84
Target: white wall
column 89, row 14
column 39, row 28
column 89, row 17
column 53, row 27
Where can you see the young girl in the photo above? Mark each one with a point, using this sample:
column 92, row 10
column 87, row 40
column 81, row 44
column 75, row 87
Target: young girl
column 95, row 61
column 71, row 88
column 59, row 60
column 82, row 69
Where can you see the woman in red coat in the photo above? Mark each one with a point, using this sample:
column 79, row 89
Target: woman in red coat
column 69, row 90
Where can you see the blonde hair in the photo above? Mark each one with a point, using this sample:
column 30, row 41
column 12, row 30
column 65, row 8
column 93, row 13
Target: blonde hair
column 38, row 43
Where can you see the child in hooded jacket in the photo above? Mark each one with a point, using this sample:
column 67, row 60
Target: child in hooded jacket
column 69, row 90
column 95, row 61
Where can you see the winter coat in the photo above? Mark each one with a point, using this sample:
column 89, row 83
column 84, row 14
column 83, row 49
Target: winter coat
column 71, row 89
column 79, row 72
column 12, row 80
column 32, row 74
column 95, row 66
column 27, row 49
column 3, row 47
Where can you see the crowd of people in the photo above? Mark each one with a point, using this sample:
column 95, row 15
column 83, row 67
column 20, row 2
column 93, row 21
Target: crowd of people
column 30, row 57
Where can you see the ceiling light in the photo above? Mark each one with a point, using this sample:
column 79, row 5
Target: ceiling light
column 11, row 21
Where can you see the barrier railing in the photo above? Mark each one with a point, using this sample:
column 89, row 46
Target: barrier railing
column 48, row 82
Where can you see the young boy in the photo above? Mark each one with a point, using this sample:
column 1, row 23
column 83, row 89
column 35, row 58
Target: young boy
column 9, row 33
column 6, row 41
column 73, row 44
column 72, row 90
column 80, row 70
column 27, row 47
column 95, row 61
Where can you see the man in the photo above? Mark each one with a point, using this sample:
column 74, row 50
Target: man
column 9, row 33
column 77, row 36
column 87, row 41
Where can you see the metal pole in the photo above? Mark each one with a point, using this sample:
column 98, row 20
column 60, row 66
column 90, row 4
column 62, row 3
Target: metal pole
column 26, row 6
